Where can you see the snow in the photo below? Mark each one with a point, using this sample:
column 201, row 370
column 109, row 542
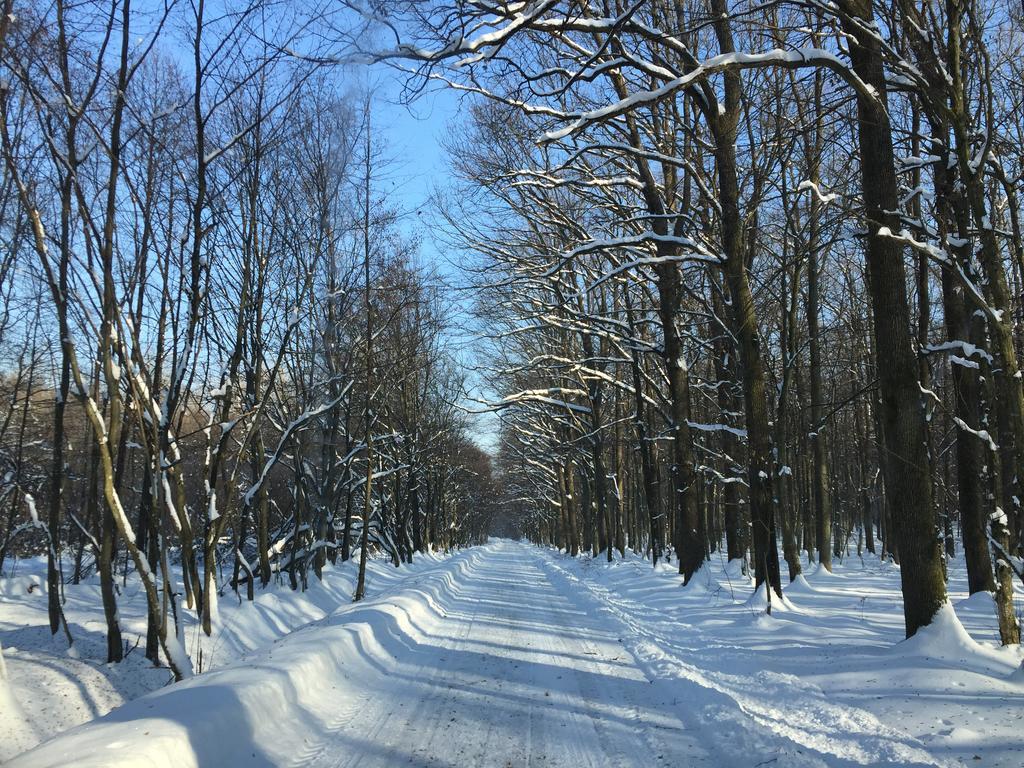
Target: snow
column 823, row 197
column 827, row 679
column 703, row 70
column 981, row 434
column 945, row 638
column 510, row 654
column 799, row 586
column 741, row 433
column 32, row 512
column 968, row 349
column 60, row 692
column 957, row 360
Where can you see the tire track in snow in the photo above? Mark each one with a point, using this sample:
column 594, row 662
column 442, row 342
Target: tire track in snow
column 506, row 670
column 347, row 709
column 737, row 712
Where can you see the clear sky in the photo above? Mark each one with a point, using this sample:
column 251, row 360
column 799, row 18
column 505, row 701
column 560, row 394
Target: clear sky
column 413, row 134
column 412, row 137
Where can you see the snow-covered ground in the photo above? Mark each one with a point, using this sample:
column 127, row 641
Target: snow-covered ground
column 827, row 679
column 50, row 689
column 510, row 655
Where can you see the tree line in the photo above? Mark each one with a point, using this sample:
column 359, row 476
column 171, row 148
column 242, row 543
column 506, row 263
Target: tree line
column 750, row 278
column 752, row 275
column 223, row 361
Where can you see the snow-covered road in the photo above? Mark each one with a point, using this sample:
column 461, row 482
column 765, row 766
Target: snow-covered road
column 509, row 655
column 513, row 672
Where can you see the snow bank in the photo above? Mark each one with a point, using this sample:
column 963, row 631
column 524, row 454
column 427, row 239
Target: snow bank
column 702, row 583
column 16, row 586
column 758, row 601
column 10, row 709
column 221, row 717
column 820, row 573
column 829, row 680
column 946, row 639
column 799, row 586
column 62, row 690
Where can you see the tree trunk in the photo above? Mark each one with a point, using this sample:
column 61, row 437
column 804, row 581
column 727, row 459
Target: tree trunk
column 906, row 462
column 689, row 536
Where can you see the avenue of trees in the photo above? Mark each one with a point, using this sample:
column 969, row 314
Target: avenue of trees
column 752, row 274
column 749, row 279
column 222, row 361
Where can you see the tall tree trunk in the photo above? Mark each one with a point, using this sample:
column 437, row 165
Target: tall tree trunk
column 760, row 477
column 735, row 540
column 689, row 534
column 368, row 377
column 962, row 326
column 906, row 462
column 819, row 474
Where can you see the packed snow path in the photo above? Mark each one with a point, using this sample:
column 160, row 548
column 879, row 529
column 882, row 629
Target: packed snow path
column 509, row 655
column 515, row 672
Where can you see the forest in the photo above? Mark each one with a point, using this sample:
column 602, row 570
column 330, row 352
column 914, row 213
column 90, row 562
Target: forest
column 727, row 289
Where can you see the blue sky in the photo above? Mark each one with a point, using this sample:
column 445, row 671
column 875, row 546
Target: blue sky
column 412, row 136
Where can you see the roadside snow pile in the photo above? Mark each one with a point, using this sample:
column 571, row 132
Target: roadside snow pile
column 220, row 718
column 56, row 688
column 10, row 709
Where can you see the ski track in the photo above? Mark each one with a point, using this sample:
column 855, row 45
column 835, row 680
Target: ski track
column 505, row 655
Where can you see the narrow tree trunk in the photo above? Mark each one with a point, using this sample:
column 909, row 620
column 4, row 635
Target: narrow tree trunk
column 819, row 474
column 689, row 535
